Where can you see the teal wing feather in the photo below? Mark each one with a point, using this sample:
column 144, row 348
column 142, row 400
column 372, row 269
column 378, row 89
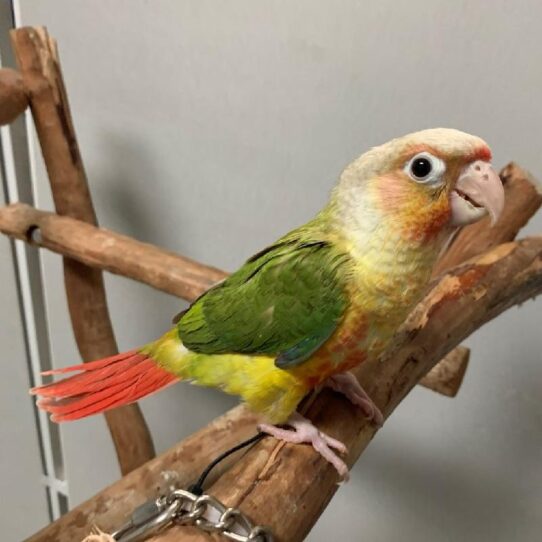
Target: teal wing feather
column 285, row 301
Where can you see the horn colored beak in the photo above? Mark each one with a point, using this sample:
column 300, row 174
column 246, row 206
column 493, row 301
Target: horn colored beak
column 478, row 191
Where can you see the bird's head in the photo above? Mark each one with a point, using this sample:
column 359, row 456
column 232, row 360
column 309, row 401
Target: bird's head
column 423, row 184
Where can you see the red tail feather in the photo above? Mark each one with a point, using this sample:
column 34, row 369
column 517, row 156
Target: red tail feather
column 103, row 384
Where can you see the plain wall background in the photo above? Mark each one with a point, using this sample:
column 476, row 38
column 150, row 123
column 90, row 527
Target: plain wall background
column 211, row 128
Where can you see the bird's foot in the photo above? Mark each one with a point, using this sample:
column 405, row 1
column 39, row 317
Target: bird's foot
column 348, row 385
column 305, row 432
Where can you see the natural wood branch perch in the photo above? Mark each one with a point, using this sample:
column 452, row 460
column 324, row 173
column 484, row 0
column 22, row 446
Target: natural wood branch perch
column 37, row 57
column 274, row 481
column 104, row 249
column 16, row 221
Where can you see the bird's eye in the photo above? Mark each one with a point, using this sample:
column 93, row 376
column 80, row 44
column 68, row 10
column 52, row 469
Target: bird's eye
column 425, row 168
column 421, row 167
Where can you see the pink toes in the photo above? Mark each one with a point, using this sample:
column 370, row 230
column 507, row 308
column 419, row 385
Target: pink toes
column 348, row 385
column 305, row 432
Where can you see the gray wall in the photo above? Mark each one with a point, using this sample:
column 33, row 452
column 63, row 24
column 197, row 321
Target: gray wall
column 211, row 128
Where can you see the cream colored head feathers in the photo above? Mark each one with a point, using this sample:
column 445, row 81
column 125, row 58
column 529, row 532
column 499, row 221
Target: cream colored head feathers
column 421, row 185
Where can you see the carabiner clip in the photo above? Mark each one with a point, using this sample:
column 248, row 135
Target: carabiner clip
column 147, row 519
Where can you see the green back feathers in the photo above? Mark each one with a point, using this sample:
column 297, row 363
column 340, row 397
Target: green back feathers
column 285, row 301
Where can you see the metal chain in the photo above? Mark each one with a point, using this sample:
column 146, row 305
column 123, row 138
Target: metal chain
column 185, row 508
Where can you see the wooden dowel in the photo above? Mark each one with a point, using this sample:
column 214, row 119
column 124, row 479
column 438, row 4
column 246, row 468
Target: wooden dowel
column 286, row 486
column 39, row 65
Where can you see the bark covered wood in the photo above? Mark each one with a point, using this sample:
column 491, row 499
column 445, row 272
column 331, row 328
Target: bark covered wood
column 39, row 65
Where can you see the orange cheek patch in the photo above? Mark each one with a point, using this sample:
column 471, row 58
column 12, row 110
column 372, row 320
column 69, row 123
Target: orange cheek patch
column 420, row 216
column 425, row 226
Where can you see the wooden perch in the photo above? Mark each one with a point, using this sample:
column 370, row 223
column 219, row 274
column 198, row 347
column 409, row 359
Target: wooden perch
column 37, row 57
column 274, row 481
column 103, row 249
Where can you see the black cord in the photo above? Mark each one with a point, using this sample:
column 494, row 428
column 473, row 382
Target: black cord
column 197, row 488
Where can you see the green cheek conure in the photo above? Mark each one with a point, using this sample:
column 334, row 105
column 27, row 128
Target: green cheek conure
column 321, row 300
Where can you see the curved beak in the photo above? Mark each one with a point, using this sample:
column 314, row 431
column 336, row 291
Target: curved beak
column 478, row 191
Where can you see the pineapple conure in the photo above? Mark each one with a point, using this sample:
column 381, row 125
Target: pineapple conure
column 321, row 300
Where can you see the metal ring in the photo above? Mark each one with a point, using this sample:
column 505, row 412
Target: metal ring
column 243, row 522
column 209, row 503
column 227, row 519
column 181, row 495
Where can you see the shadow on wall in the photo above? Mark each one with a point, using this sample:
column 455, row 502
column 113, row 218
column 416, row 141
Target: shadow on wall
column 124, row 183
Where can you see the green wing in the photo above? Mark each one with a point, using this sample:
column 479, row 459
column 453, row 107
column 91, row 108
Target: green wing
column 285, row 301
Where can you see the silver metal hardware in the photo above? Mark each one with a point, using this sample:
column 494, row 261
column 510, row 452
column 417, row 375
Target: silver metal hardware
column 185, row 508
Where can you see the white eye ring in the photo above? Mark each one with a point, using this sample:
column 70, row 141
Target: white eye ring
column 425, row 168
